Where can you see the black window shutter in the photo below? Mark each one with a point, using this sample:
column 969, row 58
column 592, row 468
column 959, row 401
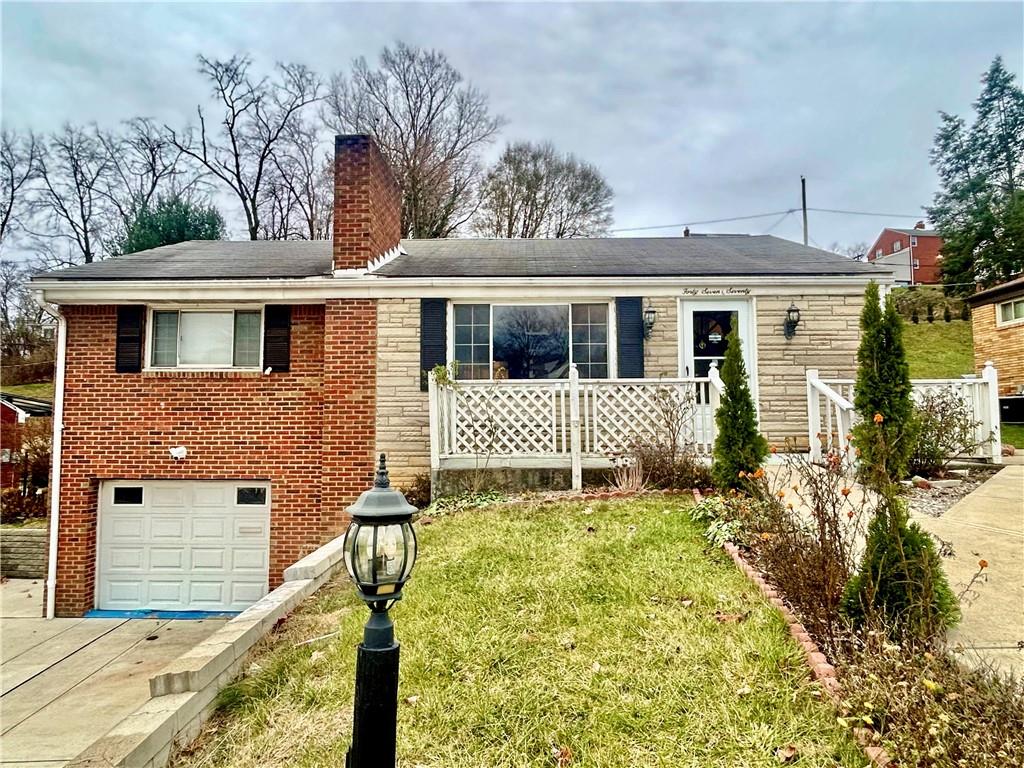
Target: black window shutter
column 629, row 321
column 130, row 323
column 433, row 336
column 277, row 337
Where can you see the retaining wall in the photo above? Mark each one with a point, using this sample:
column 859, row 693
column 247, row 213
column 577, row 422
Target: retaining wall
column 23, row 553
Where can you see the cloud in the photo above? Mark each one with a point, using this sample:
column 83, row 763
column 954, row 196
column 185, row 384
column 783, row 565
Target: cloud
column 692, row 111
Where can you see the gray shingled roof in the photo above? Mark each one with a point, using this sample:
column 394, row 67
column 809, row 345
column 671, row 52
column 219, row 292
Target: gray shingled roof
column 725, row 255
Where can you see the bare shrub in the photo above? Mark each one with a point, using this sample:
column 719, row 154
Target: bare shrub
column 628, row 474
column 946, row 428
column 928, row 709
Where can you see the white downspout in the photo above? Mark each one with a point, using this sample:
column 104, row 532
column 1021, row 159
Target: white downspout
column 58, row 429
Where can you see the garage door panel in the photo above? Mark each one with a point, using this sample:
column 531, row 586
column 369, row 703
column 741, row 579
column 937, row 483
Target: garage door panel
column 205, row 559
column 211, row 495
column 187, row 546
column 168, row 497
column 168, row 559
column 245, row 559
column 123, row 558
column 127, row 528
column 209, row 528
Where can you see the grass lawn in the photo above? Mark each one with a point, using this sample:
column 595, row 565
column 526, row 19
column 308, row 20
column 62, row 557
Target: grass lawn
column 41, row 391
column 610, row 633
column 939, row 350
column 1013, row 434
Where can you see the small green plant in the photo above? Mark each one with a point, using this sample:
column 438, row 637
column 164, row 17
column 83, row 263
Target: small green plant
column 931, row 313
column 720, row 532
column 947, row 316
column 709, row 509
column 914, row 317
column 965, row 311
column 460, row 502
column 739, row 447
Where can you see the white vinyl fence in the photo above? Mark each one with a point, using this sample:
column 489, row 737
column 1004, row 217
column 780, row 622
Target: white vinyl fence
column 562, row 423
column 831, row 415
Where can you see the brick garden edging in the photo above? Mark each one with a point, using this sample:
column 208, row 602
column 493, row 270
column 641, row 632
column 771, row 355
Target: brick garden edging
column 821, row 669
column 183, row 694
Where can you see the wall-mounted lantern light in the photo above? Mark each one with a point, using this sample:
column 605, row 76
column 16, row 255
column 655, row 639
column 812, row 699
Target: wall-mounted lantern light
column 792, row 321
column 650, row 315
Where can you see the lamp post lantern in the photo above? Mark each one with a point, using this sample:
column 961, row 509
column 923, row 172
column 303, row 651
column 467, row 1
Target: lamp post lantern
column 380, row 549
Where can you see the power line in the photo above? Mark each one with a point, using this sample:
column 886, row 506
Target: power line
column 708, row 221
column 781, row 219
column 765, row 216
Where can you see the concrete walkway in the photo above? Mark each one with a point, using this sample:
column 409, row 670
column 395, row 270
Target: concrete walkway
column 66, row 682
column 988, row 525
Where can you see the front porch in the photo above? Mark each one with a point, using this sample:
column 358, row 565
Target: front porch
column 573, row 424
column 585, row 424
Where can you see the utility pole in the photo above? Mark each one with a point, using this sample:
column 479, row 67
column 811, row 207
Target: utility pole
column 803, row 201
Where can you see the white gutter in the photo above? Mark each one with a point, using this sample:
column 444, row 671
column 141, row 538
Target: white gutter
column 58, row 430
column 316, row 290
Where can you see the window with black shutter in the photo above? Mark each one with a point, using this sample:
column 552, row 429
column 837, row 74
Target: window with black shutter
column 433, row 336
column 629, row 317
column 277, row 337
column 130, row 335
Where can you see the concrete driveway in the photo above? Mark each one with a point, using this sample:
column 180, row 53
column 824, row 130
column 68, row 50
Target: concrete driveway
column 66, row 682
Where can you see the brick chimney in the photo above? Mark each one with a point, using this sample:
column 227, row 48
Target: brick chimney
column 367, row 203
column 919, row 225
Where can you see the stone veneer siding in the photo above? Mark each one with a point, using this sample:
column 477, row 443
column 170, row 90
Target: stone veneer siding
column 403, row 430
column 826, row 339
column 1003, row 345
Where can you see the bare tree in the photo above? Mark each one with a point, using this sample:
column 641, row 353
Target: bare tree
column 856, row 251
column 299, row 202
column 256, row 115
column 533, row 191
column 430, row 125
column 143, row 162
column 19, row 166
column 72, row 207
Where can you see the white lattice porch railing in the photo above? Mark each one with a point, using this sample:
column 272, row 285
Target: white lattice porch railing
column 831, row 414
column 553, row 423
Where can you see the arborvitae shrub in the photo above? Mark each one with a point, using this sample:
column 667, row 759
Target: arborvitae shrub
column 931, row 313
column 739, row 447
column 914, row 318
column 947, row 316
column 965, row 311
column 900, row 585
column 882, row 393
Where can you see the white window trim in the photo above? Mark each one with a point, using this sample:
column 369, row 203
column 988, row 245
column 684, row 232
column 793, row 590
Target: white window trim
column 913, row 241
column 1000, row 323
column 613, row 361
column 148, row 346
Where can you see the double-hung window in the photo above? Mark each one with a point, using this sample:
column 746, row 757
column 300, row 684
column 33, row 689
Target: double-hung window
column 531, row 341
column 1011, row 311
column 205, row 338
column 897, row 246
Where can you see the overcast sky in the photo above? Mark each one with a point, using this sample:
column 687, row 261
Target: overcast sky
column 692, row 111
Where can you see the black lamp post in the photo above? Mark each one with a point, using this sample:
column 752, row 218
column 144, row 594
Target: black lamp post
column 380, row 549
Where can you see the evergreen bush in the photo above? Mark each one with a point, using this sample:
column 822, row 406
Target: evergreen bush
column 947, row 316
column 739, row 447
column 914, row 317
column 900, row 585
column 882, row 393
column 931, row 313
column 965, row 311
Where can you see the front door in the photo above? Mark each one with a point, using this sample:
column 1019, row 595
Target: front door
column 704, row 335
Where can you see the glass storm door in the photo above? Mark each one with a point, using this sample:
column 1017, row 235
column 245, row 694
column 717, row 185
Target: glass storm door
column 705, row 331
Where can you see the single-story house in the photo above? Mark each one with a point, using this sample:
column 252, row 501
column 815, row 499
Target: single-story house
column 15, row 412
column 997, row 320
column 219, row 404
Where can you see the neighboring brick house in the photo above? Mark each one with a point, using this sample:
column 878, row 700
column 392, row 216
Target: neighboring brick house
column 222, row 401
column 15, row 412
column 997, row 320
column 914, row 255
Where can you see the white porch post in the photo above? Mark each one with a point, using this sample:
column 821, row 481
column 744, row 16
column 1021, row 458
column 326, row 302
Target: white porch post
column 813, row 415
column 991, row 412
column 574, row 429
column 715, row 389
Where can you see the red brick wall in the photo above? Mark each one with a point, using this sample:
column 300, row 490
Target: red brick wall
column 349, row 405
column 235, row 425
column 925, row 253
column 367, row 203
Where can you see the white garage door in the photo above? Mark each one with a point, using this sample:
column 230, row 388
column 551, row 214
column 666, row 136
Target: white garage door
column 168, row 545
